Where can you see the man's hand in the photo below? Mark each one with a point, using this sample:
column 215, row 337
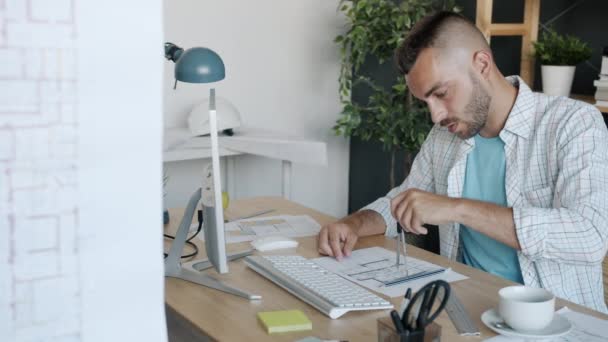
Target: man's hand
column 337, row 239
column 413, row 208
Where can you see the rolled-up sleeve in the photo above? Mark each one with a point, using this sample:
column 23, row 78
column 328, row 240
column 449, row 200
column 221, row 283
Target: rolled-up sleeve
column 420, row 177
column 575, row 229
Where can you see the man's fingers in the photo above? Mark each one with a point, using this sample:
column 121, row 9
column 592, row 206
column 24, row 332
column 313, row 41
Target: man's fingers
column 395, row 202
column 418, row 226
column 406, row 220
column 323, row 242
column 403, row 215
column 351, row 240
column 337, row 240
column 334, row 243
column 397, row 210
column 411, row 223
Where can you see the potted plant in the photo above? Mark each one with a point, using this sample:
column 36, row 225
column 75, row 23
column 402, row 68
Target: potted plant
column 559, row 56
column 391, row 115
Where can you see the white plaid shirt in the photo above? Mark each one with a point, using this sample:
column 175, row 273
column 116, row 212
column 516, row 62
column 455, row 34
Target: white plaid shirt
column 556, row 152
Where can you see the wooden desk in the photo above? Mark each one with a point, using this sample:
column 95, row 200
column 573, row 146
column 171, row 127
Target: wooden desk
column 225, row 317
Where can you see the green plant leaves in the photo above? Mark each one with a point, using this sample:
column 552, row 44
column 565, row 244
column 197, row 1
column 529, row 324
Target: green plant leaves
column 391, row 116
column 555, row 49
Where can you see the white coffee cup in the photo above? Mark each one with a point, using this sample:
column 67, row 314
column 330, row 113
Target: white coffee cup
column 526, row 309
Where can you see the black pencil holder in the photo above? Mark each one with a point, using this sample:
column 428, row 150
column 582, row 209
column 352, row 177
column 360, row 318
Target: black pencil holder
column 387, row 333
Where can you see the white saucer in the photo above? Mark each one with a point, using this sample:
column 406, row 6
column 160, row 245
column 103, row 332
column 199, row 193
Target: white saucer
column 558, row 327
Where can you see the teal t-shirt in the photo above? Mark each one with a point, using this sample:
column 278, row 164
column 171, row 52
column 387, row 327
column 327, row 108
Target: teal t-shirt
column 485, row 181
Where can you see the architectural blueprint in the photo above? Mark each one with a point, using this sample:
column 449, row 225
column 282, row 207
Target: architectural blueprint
column 376, row 269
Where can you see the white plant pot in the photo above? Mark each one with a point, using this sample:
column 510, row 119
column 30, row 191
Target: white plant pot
column 557, row 79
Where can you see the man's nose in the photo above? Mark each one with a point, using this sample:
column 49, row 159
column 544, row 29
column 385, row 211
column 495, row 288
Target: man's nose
column 438, row 111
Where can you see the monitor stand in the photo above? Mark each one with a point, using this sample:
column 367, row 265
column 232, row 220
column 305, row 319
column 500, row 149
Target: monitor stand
column 191, row 271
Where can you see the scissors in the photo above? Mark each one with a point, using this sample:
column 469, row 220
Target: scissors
column 420, row 311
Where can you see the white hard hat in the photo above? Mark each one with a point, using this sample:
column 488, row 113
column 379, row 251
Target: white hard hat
column 228, row 117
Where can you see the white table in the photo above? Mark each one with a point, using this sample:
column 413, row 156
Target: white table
column 181, row 145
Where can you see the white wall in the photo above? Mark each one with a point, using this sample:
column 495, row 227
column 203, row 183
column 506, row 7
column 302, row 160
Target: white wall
column 120, row 157
column 79, row 197
column 281, row 72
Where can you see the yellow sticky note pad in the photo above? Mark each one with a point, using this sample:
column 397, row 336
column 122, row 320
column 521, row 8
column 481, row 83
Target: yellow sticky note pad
column 283, row 321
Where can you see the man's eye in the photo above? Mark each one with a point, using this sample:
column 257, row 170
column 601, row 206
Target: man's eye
column 441, row 95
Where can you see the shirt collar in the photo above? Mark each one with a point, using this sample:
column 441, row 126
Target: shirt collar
column 520, row 117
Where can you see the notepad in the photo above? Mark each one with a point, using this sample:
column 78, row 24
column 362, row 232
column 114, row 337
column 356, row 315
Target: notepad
column 284, row 321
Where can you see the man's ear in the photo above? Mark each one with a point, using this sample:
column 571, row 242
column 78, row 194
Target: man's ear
column 482, row 63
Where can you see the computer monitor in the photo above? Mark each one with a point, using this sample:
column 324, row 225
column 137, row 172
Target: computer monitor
column 210, row 197
column 213, row 219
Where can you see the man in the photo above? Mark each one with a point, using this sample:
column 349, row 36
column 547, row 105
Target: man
column 517, row 181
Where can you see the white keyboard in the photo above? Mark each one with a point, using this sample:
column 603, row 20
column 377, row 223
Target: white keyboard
column 326, row 291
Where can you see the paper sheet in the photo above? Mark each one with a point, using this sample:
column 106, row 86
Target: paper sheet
column 371, row 267
column 586, row 329
column 284, row 225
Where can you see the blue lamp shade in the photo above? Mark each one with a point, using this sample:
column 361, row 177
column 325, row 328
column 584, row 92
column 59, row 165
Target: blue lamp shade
column 199, row 65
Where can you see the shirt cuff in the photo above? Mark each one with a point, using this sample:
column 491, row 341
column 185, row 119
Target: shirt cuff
column 383, row 207
column 530, row 234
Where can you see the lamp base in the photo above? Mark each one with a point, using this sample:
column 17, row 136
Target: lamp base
column 191, row 271
column 201, row 265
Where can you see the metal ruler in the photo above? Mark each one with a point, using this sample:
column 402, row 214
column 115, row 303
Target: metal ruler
column 460, row 317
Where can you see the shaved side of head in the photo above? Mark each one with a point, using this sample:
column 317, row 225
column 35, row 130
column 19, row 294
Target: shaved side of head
column 448, row 32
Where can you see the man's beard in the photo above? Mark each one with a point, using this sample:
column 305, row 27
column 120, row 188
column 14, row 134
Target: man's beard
column 479, row 106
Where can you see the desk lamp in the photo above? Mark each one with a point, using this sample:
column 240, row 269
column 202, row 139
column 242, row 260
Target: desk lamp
column 203, row 65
